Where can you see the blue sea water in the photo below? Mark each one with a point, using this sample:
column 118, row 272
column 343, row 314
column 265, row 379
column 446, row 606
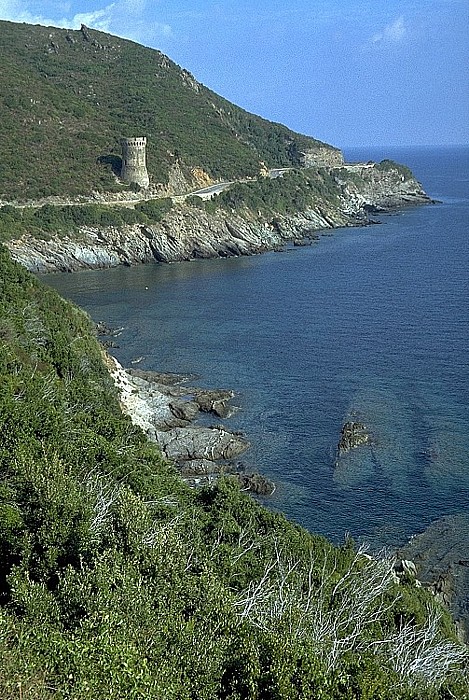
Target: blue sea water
column 369, row 322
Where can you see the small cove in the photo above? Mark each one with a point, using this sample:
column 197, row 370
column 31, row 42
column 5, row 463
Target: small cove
column 372, row 322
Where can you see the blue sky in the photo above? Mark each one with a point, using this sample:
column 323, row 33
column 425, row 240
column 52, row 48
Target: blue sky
column 349, row 72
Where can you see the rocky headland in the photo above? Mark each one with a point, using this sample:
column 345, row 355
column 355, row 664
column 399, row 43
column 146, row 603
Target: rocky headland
column 189, row 232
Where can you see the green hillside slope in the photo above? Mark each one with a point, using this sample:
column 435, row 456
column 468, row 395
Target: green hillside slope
column 68, row 97
column 118, row 581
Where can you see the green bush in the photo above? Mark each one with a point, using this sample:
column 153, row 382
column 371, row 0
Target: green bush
column 155, row 209
column 118, row 581
column 403, row 170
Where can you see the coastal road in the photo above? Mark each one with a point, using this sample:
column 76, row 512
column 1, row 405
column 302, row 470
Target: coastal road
column 203, row 193
column 209, row 192
column 206, row 192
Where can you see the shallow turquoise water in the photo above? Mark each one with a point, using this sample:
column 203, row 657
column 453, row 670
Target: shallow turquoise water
column 373, row 321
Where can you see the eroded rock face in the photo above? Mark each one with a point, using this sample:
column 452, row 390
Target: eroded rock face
column 322, row 157
column 188, row 232
column 167, row 410
column 377, row 189
column 190, row 443
column 214, row 401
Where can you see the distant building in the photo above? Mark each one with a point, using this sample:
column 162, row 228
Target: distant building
column 134, row 167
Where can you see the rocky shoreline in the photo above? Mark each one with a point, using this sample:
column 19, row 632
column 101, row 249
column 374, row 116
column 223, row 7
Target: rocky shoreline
column 167, row 408
column 438, row 557
column 167, row 411
column 189, row 232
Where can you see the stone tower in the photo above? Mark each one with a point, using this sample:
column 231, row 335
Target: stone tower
column 134, row 168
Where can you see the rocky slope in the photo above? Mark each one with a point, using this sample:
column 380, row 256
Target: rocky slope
column 167, row 410
column 441, row 557
column 189, row 232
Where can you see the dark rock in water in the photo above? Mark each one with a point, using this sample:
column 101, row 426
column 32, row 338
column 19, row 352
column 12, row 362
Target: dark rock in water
column 301, row 242
column 214, row 401
column 184, row 410
column 257, row 483
column 165, row 378
column 353, row 434
column 440, row 555
column 102, row 328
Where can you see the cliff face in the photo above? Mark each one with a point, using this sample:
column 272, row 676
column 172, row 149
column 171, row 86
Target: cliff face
column 321, row 156
column 188, row 232
column 381, row 186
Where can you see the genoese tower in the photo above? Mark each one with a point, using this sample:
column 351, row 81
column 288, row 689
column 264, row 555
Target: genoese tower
column 134, row 167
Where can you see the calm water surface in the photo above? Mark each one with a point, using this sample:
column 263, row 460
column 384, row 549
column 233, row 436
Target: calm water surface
column 370, row 322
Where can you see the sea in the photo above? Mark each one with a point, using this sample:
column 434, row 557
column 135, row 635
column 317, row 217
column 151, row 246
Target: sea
column 368, row 324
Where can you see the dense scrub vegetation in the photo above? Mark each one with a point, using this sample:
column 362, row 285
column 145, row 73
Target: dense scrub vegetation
column 68, row 97
column 51, row 219
column 118, row 581
column 387, row 165
column 295, row 191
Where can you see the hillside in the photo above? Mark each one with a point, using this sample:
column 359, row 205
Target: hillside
column 68, row 97
column 246, row 219
column 119, row 581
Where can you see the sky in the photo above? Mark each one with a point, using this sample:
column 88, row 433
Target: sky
column 348, row 72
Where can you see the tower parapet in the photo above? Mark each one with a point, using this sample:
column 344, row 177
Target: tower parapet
column 134, row 168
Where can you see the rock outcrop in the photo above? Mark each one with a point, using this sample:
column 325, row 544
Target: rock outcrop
column 329, row 157
column 380, row 187
column 441, row 560
column 167, row 410
column 353, row 434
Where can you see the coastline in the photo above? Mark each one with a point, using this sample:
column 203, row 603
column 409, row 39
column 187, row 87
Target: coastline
column 190, row 232
column 435, row 558
column 167, row 411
